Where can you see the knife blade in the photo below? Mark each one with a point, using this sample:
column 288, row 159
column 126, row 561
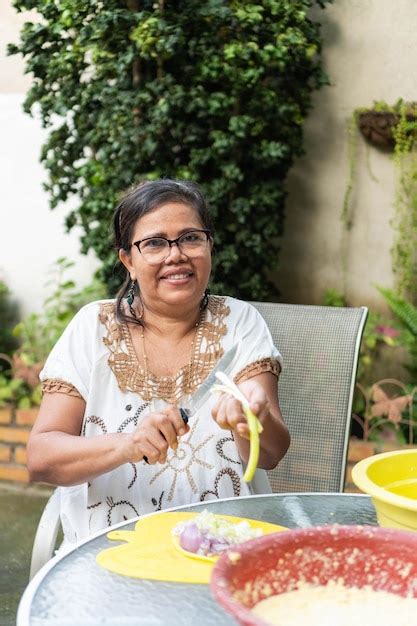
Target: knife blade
column 199, row 398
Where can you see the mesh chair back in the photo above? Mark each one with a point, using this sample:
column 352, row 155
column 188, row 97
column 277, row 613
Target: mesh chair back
column 320, row 347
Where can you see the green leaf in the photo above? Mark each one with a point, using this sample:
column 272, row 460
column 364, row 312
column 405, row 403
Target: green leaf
column 215, row 92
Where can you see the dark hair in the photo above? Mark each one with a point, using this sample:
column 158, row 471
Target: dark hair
column 142, row 199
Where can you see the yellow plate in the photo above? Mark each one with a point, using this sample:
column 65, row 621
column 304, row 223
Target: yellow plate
column 192, row 555
column 151, row 552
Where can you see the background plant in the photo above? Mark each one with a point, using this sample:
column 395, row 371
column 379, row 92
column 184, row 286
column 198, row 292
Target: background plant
column 406, row 313
column 398, row 133
column 37, row 333
column 9, row 316
column 386, row 412
column 378, row 333
column 212, row 91
column 385, row 409
column 404, row 251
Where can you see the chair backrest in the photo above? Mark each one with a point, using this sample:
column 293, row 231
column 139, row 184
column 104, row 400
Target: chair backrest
column 320, row 348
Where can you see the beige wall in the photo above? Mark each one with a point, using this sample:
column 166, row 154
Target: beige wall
column 32, row 237
column 370, row 52
column 12, row 77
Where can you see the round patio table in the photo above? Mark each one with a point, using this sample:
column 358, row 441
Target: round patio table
column 73, row 590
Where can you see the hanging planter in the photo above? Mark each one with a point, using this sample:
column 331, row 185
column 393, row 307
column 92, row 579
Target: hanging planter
column 378, row 124
column 377, row 127
column 391, row 128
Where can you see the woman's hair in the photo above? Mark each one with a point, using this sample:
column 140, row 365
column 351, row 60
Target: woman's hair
column 142, row 199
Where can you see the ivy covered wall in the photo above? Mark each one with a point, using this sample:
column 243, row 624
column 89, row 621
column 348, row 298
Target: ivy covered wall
column 215, row 91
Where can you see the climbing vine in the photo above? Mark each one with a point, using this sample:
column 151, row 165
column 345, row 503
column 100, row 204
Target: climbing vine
column 404, row 251
column 392, row 128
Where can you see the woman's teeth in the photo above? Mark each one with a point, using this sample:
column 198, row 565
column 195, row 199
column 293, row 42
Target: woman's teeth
column 177, row 276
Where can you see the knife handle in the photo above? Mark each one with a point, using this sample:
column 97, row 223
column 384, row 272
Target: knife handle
column 184, row 415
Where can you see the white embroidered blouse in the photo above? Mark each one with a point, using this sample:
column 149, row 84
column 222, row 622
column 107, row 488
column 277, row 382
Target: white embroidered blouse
column 95, row 359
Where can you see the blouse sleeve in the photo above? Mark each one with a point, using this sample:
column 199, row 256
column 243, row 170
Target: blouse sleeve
column 257, row 352
column 69, row 364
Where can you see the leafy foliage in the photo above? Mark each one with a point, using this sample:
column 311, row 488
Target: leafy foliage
column 332, row 297
column 404, row 251
column 213, row 91
column 9, row 315
column 385, row 410
column 38, row 332
column 16, row 391
column 391, row 127
column 378, row 332
column 406, row 312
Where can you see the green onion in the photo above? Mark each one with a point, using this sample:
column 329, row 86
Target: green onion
column 255, row 426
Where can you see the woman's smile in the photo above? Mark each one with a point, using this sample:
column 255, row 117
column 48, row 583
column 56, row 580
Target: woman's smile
column 177, row 277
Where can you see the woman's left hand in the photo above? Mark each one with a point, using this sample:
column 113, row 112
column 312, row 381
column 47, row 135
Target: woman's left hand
column 228, row 412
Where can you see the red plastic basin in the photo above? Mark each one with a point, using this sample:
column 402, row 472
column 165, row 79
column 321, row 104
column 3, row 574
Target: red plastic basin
column 380, row 558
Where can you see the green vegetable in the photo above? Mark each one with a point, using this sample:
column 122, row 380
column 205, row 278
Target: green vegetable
column 255, row 426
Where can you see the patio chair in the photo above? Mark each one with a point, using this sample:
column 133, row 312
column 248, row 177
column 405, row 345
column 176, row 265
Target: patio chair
column 320, row 348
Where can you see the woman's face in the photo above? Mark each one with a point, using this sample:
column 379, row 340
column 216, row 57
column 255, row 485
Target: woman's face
column 178, row 280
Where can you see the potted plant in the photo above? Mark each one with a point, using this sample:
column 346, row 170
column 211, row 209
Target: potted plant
column 379, row 123
column 392, row 127
column 20, row 389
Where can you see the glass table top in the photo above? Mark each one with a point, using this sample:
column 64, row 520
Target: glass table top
column 79, row 592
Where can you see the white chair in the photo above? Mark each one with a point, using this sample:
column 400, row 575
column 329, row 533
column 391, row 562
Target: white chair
column 320, row 348
column 46, row 534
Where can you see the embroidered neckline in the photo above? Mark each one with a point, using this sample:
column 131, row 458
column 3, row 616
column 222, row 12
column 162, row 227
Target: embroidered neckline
column 130, row 374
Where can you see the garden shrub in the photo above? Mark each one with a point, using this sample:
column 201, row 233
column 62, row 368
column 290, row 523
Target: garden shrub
column 214, row 91
column 9, row 316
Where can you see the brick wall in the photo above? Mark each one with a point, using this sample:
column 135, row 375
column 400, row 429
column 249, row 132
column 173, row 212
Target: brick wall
column 15, row 425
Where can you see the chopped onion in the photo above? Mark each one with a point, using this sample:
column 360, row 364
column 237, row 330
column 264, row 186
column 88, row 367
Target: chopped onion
column 209, row 534
column 191, row 538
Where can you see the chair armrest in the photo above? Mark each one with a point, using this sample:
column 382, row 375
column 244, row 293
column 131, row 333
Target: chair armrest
column 46, row 534
column 260, row 483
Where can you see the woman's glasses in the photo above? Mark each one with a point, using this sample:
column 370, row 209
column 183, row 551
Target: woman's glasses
column 155, row 250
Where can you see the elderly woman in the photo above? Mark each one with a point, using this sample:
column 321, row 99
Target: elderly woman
column 109, row 428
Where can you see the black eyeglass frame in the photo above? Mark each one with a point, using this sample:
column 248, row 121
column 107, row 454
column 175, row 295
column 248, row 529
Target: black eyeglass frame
column 171, row 242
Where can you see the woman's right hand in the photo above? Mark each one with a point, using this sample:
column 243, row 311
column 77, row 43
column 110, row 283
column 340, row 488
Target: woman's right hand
column 157, row 432
column 58, row 455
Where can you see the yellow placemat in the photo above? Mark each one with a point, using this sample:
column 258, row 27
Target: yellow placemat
column 150, row 551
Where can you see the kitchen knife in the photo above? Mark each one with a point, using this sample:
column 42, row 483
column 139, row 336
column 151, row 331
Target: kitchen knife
column 199, row 398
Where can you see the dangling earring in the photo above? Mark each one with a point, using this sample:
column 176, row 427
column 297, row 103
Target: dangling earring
column 130, row 297
column 204, row 302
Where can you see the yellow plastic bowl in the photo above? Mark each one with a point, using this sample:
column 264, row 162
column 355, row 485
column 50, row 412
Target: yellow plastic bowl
column 391, row 481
